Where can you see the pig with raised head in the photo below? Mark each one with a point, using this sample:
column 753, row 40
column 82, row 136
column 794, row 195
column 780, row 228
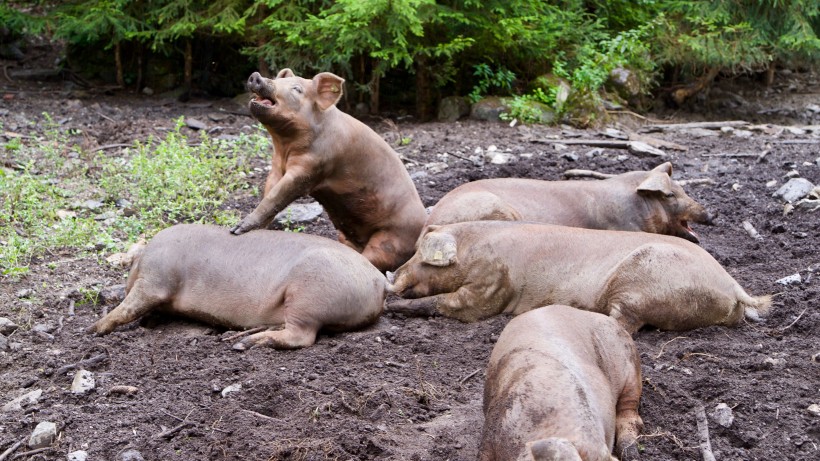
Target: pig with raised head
column 261, row 279
column 562, row 384
column 473, row 270
column 648, row 201
column 320, row 151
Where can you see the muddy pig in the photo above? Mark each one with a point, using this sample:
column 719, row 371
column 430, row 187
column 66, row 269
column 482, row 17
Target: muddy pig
column 260, row 279
column 320, row 151
column 562, row 384
column 648, row 201
column 476, row 269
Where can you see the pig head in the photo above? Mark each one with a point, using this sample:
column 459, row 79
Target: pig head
column 648, row 201
column 473, row 270
column 301, row 282
column 320, row 151
column 561, row 384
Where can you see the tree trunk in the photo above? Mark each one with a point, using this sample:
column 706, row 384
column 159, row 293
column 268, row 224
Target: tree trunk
column 424, row 93
column 189, row 64
column 118, row 64
column 374, row 91
column 682, row 94
column 140, row 51
column 769, row 79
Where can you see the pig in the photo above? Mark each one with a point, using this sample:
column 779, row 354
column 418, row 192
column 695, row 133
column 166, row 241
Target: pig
column 473, row 270
column 648, row 201
column 320, row 151
column 260, row 279
column 562, row 384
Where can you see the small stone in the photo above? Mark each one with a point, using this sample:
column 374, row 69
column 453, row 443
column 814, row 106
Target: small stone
column 570, row 156
column 78, row 455
column 792, row 174
column 502, row 158
column 65, row 214
column 217, row 116
column 436, row 167
column 814, row 409
column 43, row 435
column 795, row 130
column 7, row 327
column 742, row 134
column 25, row 293
column 771, row 183
column 723, row 415
column 148, row 91
column 194, row 124
column 91, row 204
column 4, row 343
column 775, row 363
column 83, row 382
column 231, row 389
column 300, row 213
column 616, row 134
column 130, row 455
column 794, row 279
column 638, row 147
column 29, row 398
column 794, row 190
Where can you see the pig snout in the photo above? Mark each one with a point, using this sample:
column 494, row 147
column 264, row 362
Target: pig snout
column 255, row 82
column 708, row 218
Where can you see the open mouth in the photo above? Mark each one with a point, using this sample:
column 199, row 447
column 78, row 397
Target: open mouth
column 259, row 99
column 691, row 234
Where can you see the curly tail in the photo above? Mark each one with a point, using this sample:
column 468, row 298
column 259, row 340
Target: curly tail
column 755, row 306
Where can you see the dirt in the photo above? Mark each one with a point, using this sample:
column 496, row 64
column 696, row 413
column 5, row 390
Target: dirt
column 411, row 388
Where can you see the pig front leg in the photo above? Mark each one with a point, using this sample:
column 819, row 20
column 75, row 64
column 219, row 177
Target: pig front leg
column 628, row 423
column 465, row 304
column 295, row 183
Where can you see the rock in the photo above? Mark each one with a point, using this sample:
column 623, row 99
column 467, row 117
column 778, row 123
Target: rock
column 78, row 455
column 25, row 293
column 43, row 328
column 795, row 130
column 489, row 108
column 113, row 294
column 231, row 389
column 742, row 134
column 808, row 204
column 793, row 279
column 722, row 415
column 814, row 409
column 195, row 124
column 300, row 213
column 65, row 214
column 130, row 455
column 147, row 91
column 700, row 132
column 4, row 343
column 83, row 382
column 794, row 190
column 570, row 156
column 90, row 205
column 500, row 158
column 29, row 398
column 638, row 147
column 217, row 116
column 453, row 108
column 7, row 327
column 776, row 363
column 43, row 435
column 771, row 183
column 436, row 167
column 625, row 82
column 616, row 134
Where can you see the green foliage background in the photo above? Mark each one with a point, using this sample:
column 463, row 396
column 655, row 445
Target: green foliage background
column 441, row 45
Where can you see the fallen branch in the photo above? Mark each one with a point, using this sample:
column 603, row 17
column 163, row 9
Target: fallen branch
column 727, row 154
column 467, row 378
column 244, row 333
column 610, row 143
column 170, row 432
column 750, row 229
column 87, row 363
column 689, row 126
column 258, row 414
column 32, row 452
column 655, row 142
column 798, row 141
column 664, row 345
column 695, row 181
column 12, row 449
column 795, row 321
column 703, row 434
column 586, row 174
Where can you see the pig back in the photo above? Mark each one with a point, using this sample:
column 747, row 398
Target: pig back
column 556, row 371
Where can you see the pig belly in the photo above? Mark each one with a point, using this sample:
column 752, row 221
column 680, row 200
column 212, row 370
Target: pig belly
column 234, row 306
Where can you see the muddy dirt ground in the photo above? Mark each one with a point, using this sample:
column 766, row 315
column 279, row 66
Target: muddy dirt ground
column 411, row 388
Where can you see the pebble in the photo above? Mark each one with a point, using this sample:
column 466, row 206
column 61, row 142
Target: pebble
column 794, row 279
column 29, row 398
column 300, row 213
column 4, row 343
column 742, row 134
column 194, row 124
column 78, row 455
column 814, row 409
column 638, row 147
column 723, row 415
column 774, row 363
column 25, row 293
column 436, row 167
column 771, row 183
column 231, row 389
column 502, row 158
column 43, row 435
column 794, row 190
column 83, row 382
column 130, row 455
column 7, row 327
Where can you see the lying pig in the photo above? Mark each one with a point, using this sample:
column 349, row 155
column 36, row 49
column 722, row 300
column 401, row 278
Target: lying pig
column 476, row 269
column 562, row 384
column 320, row 151
column 648, row 201
column 263, row 278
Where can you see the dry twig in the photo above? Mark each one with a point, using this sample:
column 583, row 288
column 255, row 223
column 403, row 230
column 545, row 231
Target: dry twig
column 703, row 434
column 586, row 174
column 12, row 449
column 660, row 353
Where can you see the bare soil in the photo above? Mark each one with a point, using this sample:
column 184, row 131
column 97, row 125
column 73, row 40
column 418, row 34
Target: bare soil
column 411, row 388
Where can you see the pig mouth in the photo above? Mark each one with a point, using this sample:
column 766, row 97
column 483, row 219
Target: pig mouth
column 263, row 101
column 688, row 233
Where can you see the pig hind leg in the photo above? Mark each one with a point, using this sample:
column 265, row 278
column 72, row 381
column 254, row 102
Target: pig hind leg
column 142, row 298
column 295, row 335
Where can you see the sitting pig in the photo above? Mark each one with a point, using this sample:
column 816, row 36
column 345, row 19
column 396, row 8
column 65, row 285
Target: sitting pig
column 476, row 269
column 562, row 384
column 263, row 278
column 320, row 151
column 648, row 201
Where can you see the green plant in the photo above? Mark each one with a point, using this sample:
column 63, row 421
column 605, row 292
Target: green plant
column 500, row 79
column 288, row 225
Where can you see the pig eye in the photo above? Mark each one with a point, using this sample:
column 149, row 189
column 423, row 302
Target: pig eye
column 670, row 195
column 298, row 89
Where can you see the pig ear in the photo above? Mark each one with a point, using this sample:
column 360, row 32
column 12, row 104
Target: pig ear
column 656, row 182
column 328, row 89
column 438, row 249
column 285, row 73
column 664, row 168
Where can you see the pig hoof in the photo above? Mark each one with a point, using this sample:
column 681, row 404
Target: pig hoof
column 629, row 453
column 240, row 346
